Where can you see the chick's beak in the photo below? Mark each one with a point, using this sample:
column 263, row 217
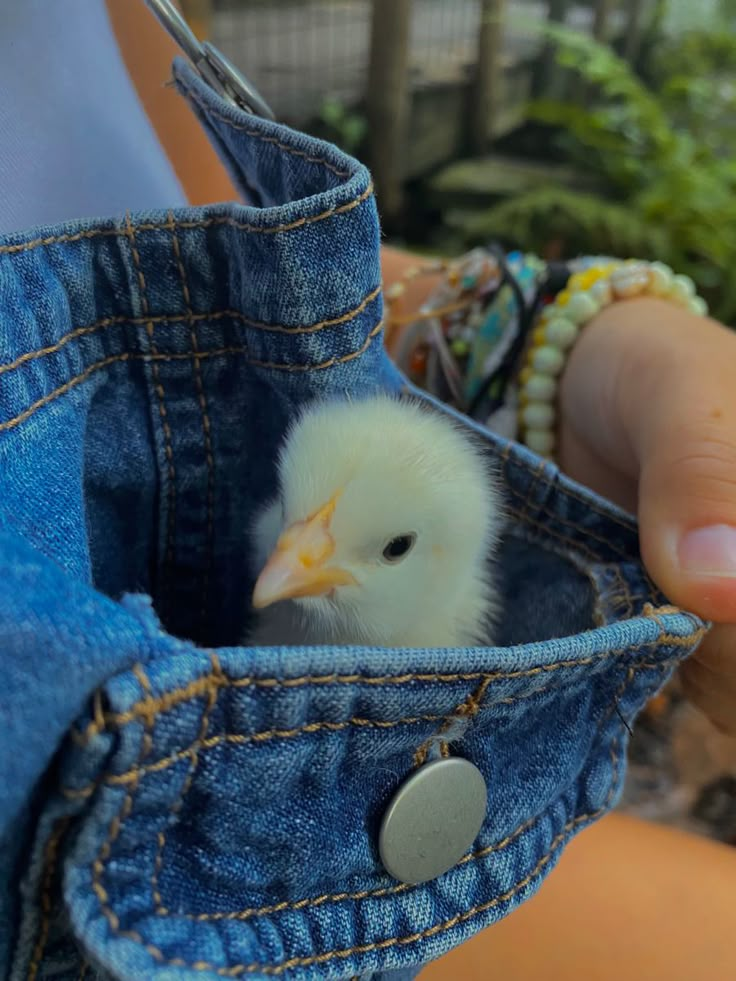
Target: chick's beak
column 299, row 564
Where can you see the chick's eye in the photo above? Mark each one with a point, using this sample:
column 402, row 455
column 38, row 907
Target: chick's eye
column 399, row 547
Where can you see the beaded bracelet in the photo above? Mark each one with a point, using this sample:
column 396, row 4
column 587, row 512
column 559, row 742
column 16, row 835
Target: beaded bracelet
column 460, row 344
column 561, row 321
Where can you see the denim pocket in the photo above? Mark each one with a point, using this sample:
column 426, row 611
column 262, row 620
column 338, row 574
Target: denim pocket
column 222, row 810
column 214, row 811
column 219, row 812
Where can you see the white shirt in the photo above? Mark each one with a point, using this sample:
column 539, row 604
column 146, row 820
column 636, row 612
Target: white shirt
column 75, row 141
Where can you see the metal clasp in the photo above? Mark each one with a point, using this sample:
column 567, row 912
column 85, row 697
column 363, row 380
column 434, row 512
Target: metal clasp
column 212, row 66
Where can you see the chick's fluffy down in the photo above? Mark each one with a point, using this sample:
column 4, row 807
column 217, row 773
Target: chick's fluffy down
column 393, row 468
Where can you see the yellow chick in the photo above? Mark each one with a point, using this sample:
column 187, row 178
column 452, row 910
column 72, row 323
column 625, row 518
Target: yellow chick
column 382, row 533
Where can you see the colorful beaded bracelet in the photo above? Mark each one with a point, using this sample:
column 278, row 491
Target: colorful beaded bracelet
column 463, row 342
column 561, row 321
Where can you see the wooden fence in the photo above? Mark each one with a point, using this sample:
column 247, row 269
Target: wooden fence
column 435, row 79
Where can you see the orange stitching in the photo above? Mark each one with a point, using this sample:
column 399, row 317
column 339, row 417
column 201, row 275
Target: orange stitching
column 204, row 223
column 277, row 969
column 118, row 821
column 106, row 322
column 63, row 341
column 51, row 855
column 98, row 366
column 184, row 355
column 34, row 243
column 179, row 801
column 142, row 679
column 247, row 914
column 206, row 424
column 467, row 709
column 657, row 612
column 330, row 363
column 160, row 394
column 153, row 707
column 84, row 968
column 242, row 739
column 310, row 328
column 257, row 229
column 191, row 94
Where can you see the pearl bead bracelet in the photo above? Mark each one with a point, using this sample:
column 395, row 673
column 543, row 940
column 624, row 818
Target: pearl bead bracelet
column 560, row 323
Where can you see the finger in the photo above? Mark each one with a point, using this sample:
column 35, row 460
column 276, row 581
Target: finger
column 709, row 677
column 650, row 387
column 712, row 701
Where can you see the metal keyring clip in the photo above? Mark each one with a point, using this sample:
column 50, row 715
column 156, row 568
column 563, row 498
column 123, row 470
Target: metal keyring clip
column 213, row 67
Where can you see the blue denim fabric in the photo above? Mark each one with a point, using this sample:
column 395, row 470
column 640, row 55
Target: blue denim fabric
column 174, row 810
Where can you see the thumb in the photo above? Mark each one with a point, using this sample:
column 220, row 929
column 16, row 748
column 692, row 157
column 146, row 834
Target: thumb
column 651, row 389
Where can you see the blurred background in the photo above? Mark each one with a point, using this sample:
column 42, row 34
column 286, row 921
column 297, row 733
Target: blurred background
column 559, row 126
column 554, row 126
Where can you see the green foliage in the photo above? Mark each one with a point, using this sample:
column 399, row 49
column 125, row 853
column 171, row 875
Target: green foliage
column 582, row 221
column 668, row 155
column 344, row 127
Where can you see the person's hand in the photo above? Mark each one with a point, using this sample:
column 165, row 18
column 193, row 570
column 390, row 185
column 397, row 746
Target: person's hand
column 648, row 419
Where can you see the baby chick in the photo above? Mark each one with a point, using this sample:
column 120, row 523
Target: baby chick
column 381, row 534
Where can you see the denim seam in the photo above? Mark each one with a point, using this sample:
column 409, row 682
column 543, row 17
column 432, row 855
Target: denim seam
column 54, row 843
column 213, row 113
column 183, row 356
column 469, row 707
column 186, row 225
column 505, row 455
column 204, row 742
column 477, row 855
column 154, row 707
column 162, row 411
column 581, row 548
column 105, row 322
column 205, row 420
column 277, row 969
column 194, row 754
column 299, row 904
column 242, row 739
column 542, row 509
column 51, row 856
column 105, row 851
column 133, row 776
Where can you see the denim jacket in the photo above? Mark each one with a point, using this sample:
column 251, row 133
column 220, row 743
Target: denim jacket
column 172, row 803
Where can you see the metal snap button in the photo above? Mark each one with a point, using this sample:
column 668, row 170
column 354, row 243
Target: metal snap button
column 432, row 820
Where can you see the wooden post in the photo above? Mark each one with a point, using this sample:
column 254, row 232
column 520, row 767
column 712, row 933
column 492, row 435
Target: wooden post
column 198, row 14
column 634, row 29
column 387, row 100
column 489, row 74
column 601, row 17
column 547, row 73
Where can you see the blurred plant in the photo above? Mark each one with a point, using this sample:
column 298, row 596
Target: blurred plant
column 668, row 155
column 727, row 12
column 342, row 126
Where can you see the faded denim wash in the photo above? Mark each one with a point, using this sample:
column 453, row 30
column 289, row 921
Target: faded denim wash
column 189, row 808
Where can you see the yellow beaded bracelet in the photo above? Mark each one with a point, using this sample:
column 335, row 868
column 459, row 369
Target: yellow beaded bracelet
column 560, row 323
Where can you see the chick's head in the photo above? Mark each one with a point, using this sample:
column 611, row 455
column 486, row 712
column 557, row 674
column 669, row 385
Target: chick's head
column 387, row 515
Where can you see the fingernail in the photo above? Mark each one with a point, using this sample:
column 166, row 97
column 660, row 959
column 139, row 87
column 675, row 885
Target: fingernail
column 709, row 551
